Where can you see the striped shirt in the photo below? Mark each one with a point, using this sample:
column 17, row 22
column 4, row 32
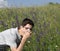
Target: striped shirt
column 9, row 37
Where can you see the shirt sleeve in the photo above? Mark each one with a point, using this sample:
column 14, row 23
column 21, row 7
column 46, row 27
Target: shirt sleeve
column 12, row 43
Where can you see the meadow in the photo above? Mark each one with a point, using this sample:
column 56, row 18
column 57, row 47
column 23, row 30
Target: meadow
column 46, row 33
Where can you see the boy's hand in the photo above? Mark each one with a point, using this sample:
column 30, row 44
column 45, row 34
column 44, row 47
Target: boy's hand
column 27, row 34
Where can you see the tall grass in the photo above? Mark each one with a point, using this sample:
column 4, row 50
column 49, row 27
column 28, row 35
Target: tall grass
column 46, row 33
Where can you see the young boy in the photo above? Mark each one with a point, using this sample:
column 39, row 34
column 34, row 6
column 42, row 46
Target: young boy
column 13, row 35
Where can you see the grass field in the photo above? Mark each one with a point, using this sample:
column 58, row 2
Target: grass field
column 46, row 33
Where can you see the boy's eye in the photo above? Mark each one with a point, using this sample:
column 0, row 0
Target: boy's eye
column 28, row 28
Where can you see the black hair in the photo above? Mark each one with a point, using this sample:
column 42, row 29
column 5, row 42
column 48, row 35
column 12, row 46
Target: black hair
column 27, row 21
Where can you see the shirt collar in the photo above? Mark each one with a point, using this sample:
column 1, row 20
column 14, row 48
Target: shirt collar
column 18, row 33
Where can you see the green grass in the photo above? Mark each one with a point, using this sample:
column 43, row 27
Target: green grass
column 46, row 33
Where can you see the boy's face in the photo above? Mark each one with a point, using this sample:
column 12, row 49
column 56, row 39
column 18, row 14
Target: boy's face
column 26, row 28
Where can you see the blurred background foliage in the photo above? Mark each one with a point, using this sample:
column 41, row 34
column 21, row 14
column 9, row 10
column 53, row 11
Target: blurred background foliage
column 46, row 33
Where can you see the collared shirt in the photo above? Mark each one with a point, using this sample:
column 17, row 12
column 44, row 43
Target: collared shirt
column 9, row 37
